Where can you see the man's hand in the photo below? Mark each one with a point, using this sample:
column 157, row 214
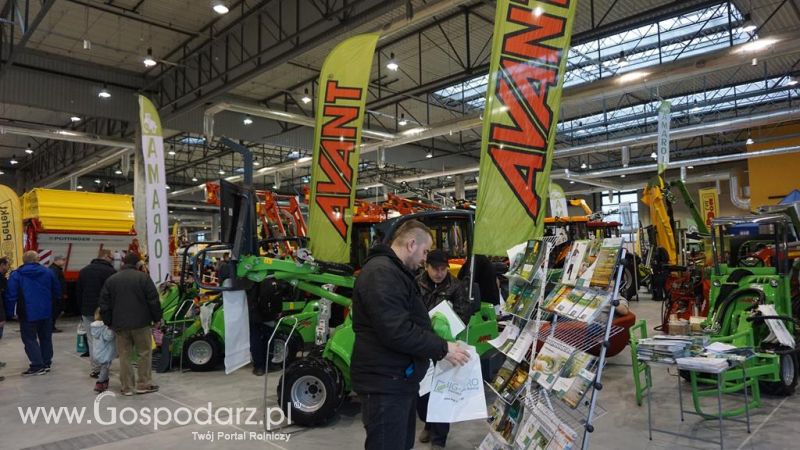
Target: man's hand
column 456, row 355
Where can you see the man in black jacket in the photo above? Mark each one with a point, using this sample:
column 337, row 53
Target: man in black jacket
column 394, row 339
column 129, row 304
column 437, row 285
column 90, row 282
column 58, row 304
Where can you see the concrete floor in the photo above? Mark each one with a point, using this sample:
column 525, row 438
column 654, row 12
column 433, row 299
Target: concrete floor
column 622, row 426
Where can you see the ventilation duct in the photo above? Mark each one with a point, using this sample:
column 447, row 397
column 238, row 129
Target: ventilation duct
column 736, row 198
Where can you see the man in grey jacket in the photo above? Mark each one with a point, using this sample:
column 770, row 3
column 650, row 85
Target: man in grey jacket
column 130, row 305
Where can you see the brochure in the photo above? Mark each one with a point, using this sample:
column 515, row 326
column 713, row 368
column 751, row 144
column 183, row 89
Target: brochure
column 570, row 378
column 547, row 426
column 565, row 305
column 564, row 439
column 504, row 375
column 516, row 383
column 587, row 266
column 573, row 262
column 549, row 362
column 607, row 260
column 581, row 304
column 595, row 306
column 523, row 344
column 559, row 293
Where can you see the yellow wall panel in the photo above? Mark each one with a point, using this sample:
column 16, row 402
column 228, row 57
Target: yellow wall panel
column 774, row 177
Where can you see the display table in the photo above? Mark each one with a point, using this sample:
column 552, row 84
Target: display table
column 719, row 416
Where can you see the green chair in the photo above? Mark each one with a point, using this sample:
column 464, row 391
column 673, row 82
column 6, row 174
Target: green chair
column 637, row 332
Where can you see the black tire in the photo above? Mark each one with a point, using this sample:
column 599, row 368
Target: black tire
column 202, row 353
column 788, row 373
column 313, row 389
column 276, row 355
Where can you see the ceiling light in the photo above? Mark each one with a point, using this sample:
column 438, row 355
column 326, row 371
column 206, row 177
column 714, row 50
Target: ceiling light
column 622, row 176
column 754, row 62
column 171, row 151
column 221, row 172
column 403, row 122
column 756, row 46
column 97, row 180
column 29, row 150
column 538, row 11
column 194, row 208
column 632, row 76
column 256, row 163
column 104, row 93
column 13, row 160
column 690, row 167
column 429, row 154
column 149, row 61
column 392, row 64
column 118, row 172
column 79, row 187
column 247, row 120
column 274, row 186
column 87, row 44
column 654, row 155
column 194, row 179
column 583, row 165
column 791, row 82
column 167, row 187
column 306, row 99
column 622, row 61
column 571, row 181
column 750, row 141
column 75, row 119
column 220, row 8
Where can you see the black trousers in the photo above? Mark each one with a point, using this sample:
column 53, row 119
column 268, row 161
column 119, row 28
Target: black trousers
column 389, row 420
column 438, row 431
column 259, row 336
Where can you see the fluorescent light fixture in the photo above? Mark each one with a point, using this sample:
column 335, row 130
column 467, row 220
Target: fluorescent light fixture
column 220, row 8
column 690, row 167
column 104, row 93
column 149, row 61
column 13, row 161
column 171, row 152
column 622, row 176
column 632, row 76
column 194, row 179
column 756, row 46
column 403, row 122
column 247, row 120
column 221, row 172
column 392, row 64
column 571, row 181
column 306, row 99
column 79, row 187
column 750, row 141
column 167, row 187
column 194, row 208
column 29, row 150
column 97, row 181
column 256, row 163
column 75, row 119
column 274, row 186
column 118, row 172
column 429, row 155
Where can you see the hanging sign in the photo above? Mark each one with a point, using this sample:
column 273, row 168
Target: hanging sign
column 529, row 54
column 155, row 191
column 663, row 136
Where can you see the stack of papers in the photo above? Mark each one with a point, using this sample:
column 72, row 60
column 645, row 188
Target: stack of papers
column 666, row 349
column 702, row 364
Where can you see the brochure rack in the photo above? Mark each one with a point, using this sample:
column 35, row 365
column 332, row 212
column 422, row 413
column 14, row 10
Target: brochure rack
column 548, row 398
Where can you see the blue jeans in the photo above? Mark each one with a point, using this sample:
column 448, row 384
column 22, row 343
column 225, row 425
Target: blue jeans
column 38, row 339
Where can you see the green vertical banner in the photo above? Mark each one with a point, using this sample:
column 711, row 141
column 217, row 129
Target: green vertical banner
column 529, row 55
column 341, row 102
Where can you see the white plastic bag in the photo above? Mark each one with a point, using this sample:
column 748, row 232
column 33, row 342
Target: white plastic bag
column 205, row 316
column 457, row 391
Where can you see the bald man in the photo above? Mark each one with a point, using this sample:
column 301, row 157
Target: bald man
column 32, row 291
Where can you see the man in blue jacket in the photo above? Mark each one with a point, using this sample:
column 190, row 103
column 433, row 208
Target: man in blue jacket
column 32, row 290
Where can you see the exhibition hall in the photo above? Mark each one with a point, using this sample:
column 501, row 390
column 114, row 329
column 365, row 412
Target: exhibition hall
column 402, row 224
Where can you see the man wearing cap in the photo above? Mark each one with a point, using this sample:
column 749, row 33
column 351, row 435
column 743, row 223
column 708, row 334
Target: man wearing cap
column 129, row 305
column 58, row 304
column 437, row 285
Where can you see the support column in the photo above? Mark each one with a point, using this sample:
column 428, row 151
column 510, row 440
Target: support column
column 460, row 188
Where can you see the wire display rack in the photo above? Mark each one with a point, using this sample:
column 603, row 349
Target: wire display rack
column 578, row 415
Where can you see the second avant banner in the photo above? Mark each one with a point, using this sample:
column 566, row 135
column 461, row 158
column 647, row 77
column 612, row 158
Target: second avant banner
column 529, row 53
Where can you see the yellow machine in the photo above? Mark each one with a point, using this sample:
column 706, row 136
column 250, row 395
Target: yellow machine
column 653, row 197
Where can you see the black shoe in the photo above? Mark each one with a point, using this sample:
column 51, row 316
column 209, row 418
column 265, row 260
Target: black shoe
column 258, row 372
column 94, row 374
column 57, row 330
column 85, row 355
column 32, row 372
column 46, row 369
column 2, row 364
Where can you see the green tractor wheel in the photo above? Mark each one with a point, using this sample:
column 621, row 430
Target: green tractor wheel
column 312, row 389
column 277, row 354
column 788, row 373
column 202, row 353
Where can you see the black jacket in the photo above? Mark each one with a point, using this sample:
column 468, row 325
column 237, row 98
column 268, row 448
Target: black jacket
column 129, row 300
column 450, row 289
column 59, row 272
column 485, row 276
column 90, row 282
column 394, row 338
